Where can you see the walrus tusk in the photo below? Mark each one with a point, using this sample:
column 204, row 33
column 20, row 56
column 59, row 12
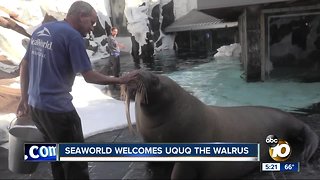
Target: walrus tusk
column 127, row 103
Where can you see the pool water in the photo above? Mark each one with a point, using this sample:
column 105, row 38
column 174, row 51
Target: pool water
column 219, row 82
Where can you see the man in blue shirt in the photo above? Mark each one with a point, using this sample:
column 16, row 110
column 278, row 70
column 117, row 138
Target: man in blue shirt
column 55, row 54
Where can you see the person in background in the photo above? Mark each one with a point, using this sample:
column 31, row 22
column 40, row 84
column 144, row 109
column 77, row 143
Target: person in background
column 114, row 50
column 55, row 55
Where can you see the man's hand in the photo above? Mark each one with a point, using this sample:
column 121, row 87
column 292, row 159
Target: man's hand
column 129, row 77
column 121, row 46
column 23, row 108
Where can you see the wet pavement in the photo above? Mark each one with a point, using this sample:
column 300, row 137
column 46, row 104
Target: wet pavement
column 145, row 170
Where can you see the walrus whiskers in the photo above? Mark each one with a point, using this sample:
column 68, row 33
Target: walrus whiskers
column 126, row 92
column 142, row 90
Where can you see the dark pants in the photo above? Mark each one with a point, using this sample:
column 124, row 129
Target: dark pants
column 115, row 65
column 62, row 128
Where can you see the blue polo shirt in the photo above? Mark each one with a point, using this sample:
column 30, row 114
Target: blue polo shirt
column 56, row 53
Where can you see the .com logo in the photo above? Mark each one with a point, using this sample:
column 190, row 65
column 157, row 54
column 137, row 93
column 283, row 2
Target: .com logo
column 279, row 149
column 40, row 152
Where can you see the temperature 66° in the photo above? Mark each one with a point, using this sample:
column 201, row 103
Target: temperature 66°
column 288, row 166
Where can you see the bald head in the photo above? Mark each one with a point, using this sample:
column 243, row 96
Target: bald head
column 82, row 17
column 80, row 7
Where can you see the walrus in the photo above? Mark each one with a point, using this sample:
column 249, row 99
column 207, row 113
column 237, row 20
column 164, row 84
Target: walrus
column 166, row 113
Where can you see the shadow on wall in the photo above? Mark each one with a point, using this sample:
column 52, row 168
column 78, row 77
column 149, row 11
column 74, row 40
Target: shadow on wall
column 295, row 47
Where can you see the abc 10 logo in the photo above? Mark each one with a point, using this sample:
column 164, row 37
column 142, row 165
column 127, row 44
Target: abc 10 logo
column 279, row 149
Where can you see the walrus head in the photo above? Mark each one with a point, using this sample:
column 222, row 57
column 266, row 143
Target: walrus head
column 146, row 89
column 146, row 85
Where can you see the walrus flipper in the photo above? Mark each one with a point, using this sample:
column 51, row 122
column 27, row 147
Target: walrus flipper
column 310, row 145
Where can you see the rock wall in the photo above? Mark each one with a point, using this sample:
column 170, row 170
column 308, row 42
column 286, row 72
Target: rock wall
column 295, row 41
column 145, row 21
column 148, row 25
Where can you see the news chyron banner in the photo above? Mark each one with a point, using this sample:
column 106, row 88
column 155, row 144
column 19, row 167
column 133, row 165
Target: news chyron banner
column 143, row 152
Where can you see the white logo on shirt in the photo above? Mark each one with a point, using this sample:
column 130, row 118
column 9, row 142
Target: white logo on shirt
column 44, row 32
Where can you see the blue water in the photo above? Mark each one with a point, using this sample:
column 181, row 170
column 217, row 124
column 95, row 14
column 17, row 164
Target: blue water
column 219, row 83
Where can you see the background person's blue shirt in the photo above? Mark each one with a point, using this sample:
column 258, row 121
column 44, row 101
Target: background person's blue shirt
column 56, row 53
